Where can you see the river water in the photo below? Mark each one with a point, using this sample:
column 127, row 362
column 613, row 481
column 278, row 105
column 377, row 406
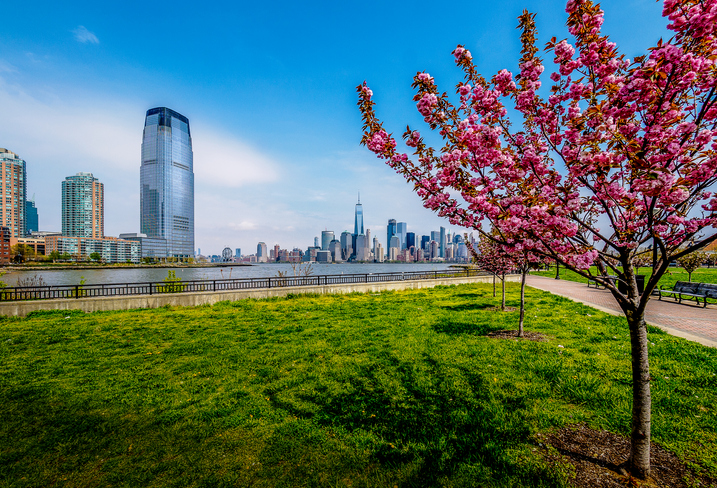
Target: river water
column 138, row 275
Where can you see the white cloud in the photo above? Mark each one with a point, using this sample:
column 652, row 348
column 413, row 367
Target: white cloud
column 223, row 161
column 84, row 36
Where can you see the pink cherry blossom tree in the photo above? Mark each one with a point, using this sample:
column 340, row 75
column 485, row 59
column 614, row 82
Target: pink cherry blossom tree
column 615, row 154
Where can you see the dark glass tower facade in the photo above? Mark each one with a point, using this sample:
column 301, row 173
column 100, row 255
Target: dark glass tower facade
column 358, row 218
column 167, row 181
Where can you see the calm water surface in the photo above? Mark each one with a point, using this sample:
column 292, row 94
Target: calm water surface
column 137, row 275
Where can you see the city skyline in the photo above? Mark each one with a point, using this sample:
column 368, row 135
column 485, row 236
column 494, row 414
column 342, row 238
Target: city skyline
column 274, row 124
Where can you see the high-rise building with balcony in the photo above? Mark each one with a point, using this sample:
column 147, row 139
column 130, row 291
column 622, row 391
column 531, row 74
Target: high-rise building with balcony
column 83, row 206
column 14, row 188
column 167, row 182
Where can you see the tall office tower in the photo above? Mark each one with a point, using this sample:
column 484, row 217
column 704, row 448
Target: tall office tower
column 442, row 243
column 261, row 254
column 358, row 218
column 401, row 229
column 326, row 237
column 14, row 188
column 335, row 250
column 390, row 232
column 410, row 240
column 238, row 253
column 379, row 254
column 83, row 206
column 32, row 221
column 395, row 243
column 435, row 250
column 346, row 245
column 167, row 181
column 424, row 242
column 316, row 242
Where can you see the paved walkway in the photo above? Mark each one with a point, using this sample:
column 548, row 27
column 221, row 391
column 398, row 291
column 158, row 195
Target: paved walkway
column 683, row 320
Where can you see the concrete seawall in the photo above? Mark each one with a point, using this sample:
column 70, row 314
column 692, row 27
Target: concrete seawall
column 102, row 304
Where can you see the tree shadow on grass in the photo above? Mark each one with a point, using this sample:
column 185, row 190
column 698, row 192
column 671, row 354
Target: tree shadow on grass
column 449, row 325
column 39, row 432
column 469, row 307
column 428, row 421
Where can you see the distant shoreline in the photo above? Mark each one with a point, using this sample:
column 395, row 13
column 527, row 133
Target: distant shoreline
column 62, row 267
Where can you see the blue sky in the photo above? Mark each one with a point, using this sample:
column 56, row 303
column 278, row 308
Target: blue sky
column 269, row 92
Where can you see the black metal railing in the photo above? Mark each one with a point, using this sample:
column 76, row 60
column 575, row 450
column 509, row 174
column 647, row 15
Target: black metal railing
column 49, row 292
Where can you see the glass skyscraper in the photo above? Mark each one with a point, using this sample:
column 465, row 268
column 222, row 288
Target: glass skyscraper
column 401, row 229
column 358, row 218
column 390, row 232
column 167, row 182
column 32, row 221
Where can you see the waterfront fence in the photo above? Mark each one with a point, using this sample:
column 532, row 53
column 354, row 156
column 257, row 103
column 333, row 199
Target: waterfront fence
column 49, row 292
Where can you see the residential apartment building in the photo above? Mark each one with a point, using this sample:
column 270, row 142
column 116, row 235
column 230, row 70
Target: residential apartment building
column 83, row 206
column 13, row 179
column 111, row 249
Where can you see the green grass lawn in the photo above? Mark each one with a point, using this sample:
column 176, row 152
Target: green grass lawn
column 391, row 389
column 673, row 275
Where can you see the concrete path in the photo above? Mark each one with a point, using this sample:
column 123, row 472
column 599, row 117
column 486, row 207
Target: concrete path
column 686, row 320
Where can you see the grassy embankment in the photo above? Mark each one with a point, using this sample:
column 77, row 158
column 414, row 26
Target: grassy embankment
column 394, row 389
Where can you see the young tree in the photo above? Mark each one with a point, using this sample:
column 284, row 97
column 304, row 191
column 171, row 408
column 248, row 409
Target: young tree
column 620, row 154
column 22, row 252
column 491, row 258
column 95, row 256
column 692, row 261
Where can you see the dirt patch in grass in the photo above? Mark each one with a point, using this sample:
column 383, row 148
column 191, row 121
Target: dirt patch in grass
column 513, row 334
column 598, row 458
column 498, row 309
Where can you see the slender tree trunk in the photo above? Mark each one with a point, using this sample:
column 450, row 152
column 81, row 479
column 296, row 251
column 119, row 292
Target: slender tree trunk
column 522, row 302
column 502, row 285
column 639, row 461
column 493, row 285
column 557, row 271
column 689, row 277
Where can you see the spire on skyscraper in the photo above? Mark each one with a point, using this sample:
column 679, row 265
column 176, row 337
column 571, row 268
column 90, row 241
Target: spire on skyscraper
column 358, row 218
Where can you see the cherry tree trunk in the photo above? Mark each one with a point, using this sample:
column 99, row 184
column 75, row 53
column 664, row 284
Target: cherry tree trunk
column 522, row 303
column 502, row 290
column 639, row 461
column 493, row 285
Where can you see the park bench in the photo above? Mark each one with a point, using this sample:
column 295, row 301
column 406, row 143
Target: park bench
column 691, row 291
